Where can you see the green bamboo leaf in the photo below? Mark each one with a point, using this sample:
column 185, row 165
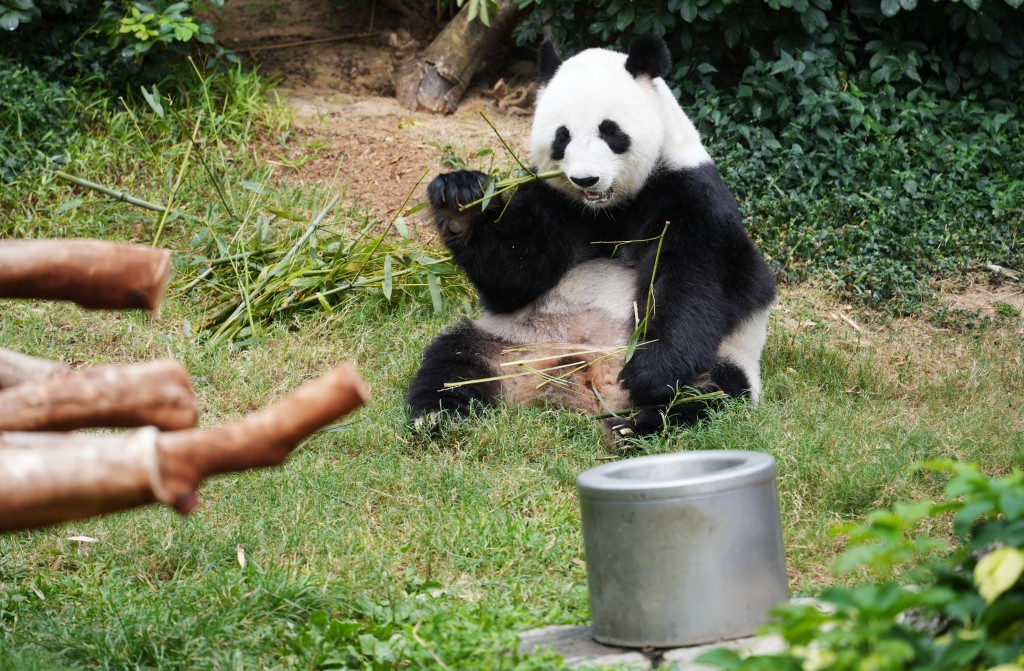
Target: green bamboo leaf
column 389, row 279
column 285, row 214
column 402, row 228
column 435, row 291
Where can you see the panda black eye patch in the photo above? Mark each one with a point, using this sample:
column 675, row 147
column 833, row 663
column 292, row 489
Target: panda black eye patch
column 615, row 137
column 562, row 139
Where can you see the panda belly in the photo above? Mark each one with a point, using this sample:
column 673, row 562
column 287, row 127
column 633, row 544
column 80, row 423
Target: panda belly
column 568, row 346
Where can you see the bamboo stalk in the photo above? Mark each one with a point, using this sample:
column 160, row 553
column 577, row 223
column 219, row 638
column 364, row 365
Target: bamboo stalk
column 116, row 195
column 52, row 477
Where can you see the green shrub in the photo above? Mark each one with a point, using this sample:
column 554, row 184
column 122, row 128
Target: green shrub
column 116, row 43
column 965, row 612
column 37, row 118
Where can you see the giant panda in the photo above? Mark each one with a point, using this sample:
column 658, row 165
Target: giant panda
column 627, row 287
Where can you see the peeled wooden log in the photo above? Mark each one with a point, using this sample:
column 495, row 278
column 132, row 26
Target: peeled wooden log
column 52, row 477
column 94, row 274
column 436, row 80
column 16, row 368
column 157, row 393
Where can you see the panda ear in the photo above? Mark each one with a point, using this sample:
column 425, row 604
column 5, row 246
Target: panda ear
column 648, row 55
column 548, row 62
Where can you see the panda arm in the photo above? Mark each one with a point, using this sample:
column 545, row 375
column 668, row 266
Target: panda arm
column 679, row 331
column 707, row 278
column 514, row 250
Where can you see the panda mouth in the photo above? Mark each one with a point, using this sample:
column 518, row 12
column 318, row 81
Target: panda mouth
column 597, row 196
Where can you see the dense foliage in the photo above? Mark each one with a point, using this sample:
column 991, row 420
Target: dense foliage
column 121, row 43
column 872, row 143
column 37, row 118
column 965, row 612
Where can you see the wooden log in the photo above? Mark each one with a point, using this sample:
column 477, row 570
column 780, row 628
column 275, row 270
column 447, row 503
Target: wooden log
column 157, row 393
column 16, row 368
column 94, row 274
column 52, row 477
column 436, row 80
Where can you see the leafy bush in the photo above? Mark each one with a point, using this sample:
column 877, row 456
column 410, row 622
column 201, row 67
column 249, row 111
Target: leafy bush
column 872, row 144
column 116, row 42
column 36, row 119
column 965, row 612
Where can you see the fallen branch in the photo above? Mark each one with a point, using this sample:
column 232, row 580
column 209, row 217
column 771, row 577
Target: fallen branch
column 94, row 274
column 52, row 477
column 17, row 368
column 157, row 393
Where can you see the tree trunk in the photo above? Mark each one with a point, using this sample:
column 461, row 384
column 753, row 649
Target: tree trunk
column 52, row 477
column 93, row 274
column 436, row 80
column 157, row 393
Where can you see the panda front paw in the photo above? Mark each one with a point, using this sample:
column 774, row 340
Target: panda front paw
column 648, row 379
column 454, row 189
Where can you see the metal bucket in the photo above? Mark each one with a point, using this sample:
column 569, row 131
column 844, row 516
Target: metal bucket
column 682, row 548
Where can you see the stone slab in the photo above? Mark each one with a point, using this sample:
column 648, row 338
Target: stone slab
column 580, row 651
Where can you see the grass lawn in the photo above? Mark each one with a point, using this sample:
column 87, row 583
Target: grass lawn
column 374, row 548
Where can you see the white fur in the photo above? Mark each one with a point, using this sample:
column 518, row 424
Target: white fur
column 591, row 87
column 601, row 291
column 743, row 347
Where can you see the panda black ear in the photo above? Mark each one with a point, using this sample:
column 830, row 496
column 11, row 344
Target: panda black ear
column 648, row 55
column 548, row 62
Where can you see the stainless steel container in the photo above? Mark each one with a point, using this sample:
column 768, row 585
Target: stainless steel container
column 682, row 548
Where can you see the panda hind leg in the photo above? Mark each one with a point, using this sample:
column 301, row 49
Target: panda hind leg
column 726, row 377
column 461, row 354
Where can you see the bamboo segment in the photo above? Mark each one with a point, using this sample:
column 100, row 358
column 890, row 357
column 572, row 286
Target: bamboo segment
column 16, row 368
column 158, row 393
column 47, row 478
column 94, row 274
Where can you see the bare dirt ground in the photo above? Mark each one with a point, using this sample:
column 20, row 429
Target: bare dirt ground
column 335, row 68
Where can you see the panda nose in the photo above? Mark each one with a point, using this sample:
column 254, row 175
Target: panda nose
column 583, row 182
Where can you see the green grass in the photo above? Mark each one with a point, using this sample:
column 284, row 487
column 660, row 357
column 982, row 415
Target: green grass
column 375, row 548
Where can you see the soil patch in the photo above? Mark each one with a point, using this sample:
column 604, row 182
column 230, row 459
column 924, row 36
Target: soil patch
column 335, row 70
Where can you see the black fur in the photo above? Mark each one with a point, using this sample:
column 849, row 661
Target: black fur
column 616, row 138
column 548, row 62
column 461, row 353
column 649, row 56
column 562, row 139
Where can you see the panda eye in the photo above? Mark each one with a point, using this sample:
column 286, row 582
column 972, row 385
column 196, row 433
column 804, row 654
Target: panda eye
column 615, row 137
column 562, row 139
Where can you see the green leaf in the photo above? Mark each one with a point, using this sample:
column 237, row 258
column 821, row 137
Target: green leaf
column 998, row 571
column 435, row 291
column 69, row 204
column 153, row 100
column 284, row 214
column 723, row 658
column 401, row 227
column 386, row 287
column 688, row 11
column 890, row 8
column 625, row 17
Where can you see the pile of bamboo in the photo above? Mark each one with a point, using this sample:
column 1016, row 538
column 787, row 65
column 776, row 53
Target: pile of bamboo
column 51, row 473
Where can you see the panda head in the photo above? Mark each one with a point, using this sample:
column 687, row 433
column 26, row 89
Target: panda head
column 599, row 120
